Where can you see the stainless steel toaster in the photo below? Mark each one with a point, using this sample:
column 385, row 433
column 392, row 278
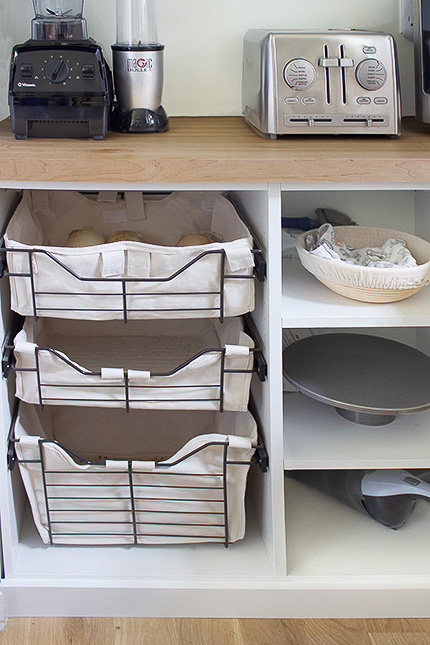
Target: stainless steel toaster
column 321, row 82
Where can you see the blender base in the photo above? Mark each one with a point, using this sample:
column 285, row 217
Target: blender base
column 139, row 120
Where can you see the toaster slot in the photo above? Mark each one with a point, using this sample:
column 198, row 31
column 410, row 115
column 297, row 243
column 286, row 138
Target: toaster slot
column 327, row 76
column 343, row 75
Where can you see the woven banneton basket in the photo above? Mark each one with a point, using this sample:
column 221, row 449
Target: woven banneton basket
column 369, row 284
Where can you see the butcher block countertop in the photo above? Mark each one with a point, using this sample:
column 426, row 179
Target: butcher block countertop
column 217, row 149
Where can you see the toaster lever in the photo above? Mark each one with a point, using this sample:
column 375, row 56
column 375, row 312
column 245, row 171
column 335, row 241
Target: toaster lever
column 346, row 62
column 328, row 62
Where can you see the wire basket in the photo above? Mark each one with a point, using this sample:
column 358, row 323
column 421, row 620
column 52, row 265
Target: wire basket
column 109, row 485
column 166, row 364
column 152, row 278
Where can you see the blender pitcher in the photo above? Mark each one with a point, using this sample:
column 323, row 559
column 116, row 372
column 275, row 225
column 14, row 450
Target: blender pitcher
column 59, row 20
column 138, row 69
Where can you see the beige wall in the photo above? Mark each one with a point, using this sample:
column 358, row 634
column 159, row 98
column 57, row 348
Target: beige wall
column 203, row 41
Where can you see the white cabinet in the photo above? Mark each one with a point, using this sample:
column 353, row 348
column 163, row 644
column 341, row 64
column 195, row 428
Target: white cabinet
column 326, row 539
column 178, row 570
column 304, row 555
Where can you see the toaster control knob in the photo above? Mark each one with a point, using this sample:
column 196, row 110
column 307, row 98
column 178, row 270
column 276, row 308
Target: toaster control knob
column 371, row 74
column 57, row 70
column 299, row 74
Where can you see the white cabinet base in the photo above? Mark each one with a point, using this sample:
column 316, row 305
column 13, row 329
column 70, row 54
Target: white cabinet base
column 303, row 559
column 351, row 598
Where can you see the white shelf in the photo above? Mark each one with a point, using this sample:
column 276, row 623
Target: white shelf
column 240, row 561
column 308, row 303
column 316, row 436
column 328, row 538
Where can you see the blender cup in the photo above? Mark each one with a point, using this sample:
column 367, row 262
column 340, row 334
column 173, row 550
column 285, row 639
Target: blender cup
column 138, row 69
column 59, row 20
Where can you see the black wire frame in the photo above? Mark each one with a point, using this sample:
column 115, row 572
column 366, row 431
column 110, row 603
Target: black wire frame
column 216, row 387
column 134, row 529
column 123, row 295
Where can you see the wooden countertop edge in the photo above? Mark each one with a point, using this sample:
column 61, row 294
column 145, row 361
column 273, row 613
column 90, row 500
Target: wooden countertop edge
column 215, row 171
column 217, row 149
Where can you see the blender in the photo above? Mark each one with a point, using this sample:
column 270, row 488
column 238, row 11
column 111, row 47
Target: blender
column 138, row 69
column 60, row 84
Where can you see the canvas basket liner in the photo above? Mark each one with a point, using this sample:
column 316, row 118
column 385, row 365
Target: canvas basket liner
column 90, row 504
column 141, row 352
column 369, row 277
column 43, row 220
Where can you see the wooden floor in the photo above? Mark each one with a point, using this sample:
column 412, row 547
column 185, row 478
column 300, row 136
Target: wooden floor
column 175, row 631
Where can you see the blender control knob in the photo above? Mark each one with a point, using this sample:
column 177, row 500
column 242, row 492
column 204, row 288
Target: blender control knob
column 57, row 70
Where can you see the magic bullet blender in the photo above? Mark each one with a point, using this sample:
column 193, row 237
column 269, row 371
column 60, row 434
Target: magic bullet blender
column 138, row 69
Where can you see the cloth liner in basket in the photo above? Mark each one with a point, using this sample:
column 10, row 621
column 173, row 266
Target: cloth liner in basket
column 44, row 219
column 369, row 284
column 107, row 363
column 92, row 504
